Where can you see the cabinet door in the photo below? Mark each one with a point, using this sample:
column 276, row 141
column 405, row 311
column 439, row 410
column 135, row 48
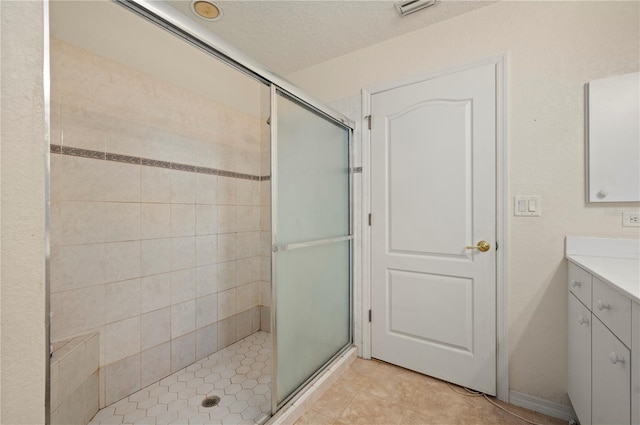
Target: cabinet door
column 635, row 364
column 611, row 403
column 579, row 359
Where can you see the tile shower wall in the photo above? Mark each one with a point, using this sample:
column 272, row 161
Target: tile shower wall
column 155, row 234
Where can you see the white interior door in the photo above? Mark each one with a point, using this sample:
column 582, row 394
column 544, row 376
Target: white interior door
column 433, row 194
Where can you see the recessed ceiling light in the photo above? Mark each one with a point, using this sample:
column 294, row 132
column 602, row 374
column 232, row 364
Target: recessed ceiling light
column 206, row 10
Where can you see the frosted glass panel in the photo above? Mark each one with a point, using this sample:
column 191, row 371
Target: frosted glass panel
column 312, row 315
column 313, row 175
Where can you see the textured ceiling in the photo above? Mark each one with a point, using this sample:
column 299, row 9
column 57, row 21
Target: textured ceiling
column 287, row 36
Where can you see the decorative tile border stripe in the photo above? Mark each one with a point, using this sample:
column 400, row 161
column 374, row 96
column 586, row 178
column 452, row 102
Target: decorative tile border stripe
column 357, row 169
column 85, row 153
column 123, row 158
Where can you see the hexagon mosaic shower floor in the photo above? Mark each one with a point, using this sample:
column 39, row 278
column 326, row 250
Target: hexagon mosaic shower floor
column 239, row 374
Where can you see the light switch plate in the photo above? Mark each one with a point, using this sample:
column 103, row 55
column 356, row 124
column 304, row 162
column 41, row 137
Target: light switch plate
column 527, row 206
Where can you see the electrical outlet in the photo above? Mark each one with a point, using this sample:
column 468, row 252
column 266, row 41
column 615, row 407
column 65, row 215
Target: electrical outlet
column 631, row 219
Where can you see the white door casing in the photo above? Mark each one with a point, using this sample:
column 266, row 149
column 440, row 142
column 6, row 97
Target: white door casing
column 433, row 192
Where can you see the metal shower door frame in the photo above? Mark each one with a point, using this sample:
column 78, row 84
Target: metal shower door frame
column 275, row 247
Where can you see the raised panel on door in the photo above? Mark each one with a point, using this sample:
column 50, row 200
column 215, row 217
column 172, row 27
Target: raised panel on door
column 415, row 164
column 579, row 359
column 453, row 305
column 611, row 369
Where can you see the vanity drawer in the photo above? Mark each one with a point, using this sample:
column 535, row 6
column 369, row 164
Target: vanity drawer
column 580, row 284
column 613, row 309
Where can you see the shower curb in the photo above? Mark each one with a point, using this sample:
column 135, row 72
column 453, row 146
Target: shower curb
column 297, row 407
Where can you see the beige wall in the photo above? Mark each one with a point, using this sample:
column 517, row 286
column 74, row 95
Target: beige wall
column 22, row 216
column 552, row 49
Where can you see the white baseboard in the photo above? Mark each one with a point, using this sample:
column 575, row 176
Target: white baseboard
column 541, row 405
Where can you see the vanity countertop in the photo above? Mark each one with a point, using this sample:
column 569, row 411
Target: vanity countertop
column 621, row 273
column 614, row 261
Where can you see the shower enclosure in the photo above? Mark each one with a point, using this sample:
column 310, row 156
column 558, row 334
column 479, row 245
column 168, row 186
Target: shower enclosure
column 200, row 224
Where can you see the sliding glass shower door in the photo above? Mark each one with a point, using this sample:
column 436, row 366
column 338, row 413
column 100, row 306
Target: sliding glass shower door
column 311, row 243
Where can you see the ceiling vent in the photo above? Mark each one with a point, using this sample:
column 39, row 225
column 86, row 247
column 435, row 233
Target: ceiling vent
column 407, row 7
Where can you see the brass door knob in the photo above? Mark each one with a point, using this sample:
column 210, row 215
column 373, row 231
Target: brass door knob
column 483, row 246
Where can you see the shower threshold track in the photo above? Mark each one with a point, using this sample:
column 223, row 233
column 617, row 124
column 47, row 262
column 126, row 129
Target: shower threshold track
column 239, row 374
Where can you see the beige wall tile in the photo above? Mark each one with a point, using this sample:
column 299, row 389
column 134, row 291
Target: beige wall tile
column 265, row 243
column 227, row 191
column 248, row 218
column 183, row 351
column 79, row 310
column 248, row 192
column 183, row 220
column 206, row 189
column 155, row 184
column 265, row 268
column 206, row 219
column 74, row 267
column 92, row 355
column 206, row 341
column 247, row 244
column 183, row 318
column 155, row 328
column 156, row 363
column 83, row 179
column 121, row 221
column 122, row 300
column 72, row 368
column 183, row 252
column 155, row 221
column 122, row 261
column 265, row 218
column 226, row 303
column 244, row 324
column 248, row 270
column 82, row 222
column 155, row 292
column 183, row 286
column 227, row 221
column 122, row 378
column 122, row 182
column 206, row 250
column 206, row 280
column 247, row 297
column 54, row 386
column 226, row 332
column 90, row 397
column 265, row 319
column 227, row 275
column 226, row 247
column 206, row 310
column 183, row 187
column 122, row 339
column 155, row 256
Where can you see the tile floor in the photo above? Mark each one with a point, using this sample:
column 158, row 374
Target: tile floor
column 239, row 374
column 372, row 392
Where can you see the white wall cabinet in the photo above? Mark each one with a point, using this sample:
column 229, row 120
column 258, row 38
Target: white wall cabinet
column 600, row 359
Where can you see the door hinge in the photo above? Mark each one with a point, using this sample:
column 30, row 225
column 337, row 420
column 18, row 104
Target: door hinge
column 369, row 219
column 369, row 316
column 368, row 117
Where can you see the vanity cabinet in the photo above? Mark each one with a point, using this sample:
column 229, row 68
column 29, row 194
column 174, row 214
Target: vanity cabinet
column 599, row 361
column 579, row 359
